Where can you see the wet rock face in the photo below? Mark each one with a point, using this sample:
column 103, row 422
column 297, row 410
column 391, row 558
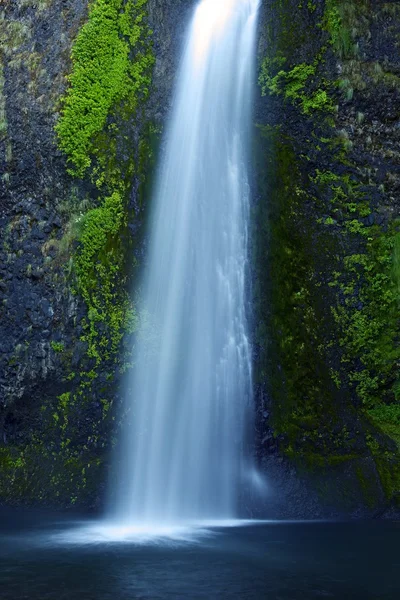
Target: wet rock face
column 35, row 303
column 327, row 354
column 42, row 353
column 168, row 19
column 35, row 61
column 35, row 191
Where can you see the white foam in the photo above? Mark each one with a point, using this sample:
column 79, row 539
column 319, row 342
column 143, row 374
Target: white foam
column 103, row 532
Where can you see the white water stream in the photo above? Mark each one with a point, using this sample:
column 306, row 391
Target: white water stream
column 186, row 452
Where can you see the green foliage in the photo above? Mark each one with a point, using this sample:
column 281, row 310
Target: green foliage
column 99, row 265
column 98, row 225
column 270, row 67
column 396, row 265
column 61, row 456
column 57, row 346
column 387, row 418
column 295, row 80
column 320, row 101
column 368, row 296
column 309, row 4
column 366, row 315
column 112, row 63
column 315, row 359
column 297, row 368
column 293, row 83
column 329, row 312
column 340, row 35
column 288, row 82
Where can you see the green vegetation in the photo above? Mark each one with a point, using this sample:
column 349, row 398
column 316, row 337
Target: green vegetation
column 293, row 85
column 366, row 309
column 57, row 346
column 387, row 418
column 112, row 65
column 112, row 62
column 101, row 115
column 13, row 34
column 99, row 264
column 345, row 21
column 330, row 326
column 340, row 36
column 368, row 319
column 297, row 354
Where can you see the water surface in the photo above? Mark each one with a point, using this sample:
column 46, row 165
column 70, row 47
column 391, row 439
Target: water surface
column 49, row 559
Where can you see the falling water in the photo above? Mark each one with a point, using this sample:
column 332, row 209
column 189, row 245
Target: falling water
column 190, row 396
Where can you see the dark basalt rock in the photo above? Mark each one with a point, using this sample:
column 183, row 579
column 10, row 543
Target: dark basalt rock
column 40, row 315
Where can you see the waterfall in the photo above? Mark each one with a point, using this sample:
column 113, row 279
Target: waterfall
column 188, row 433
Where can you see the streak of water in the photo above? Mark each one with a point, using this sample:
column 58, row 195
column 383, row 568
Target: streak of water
column 191, row 389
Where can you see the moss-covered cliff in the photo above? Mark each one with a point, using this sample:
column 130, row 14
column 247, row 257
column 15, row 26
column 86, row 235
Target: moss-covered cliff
column 326, row 249
column 84, row 91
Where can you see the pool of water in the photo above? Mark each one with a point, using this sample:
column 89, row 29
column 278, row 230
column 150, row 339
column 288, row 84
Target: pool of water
column 52, row 558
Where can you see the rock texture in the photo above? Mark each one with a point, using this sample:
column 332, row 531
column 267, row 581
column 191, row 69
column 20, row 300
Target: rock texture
column 55, row 427
column 326, row 243
column 35, row 59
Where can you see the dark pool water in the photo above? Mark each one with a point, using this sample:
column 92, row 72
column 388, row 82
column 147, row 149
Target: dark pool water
column 44, row 558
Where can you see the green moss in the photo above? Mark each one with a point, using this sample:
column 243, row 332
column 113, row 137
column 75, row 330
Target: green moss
column 387, row 418
column 329, row 326
column 345, row 20
column 367, row 292
column 112, row 63
column 57, row 346
column 366, row 315
column 290, row 300
column 99, row 268
column 396, row 265
column 292, row 85
column 340, row 35
column 13, row 34
column 60, row 462
column 62, row 455
column 369, row 320
column 48, row 474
